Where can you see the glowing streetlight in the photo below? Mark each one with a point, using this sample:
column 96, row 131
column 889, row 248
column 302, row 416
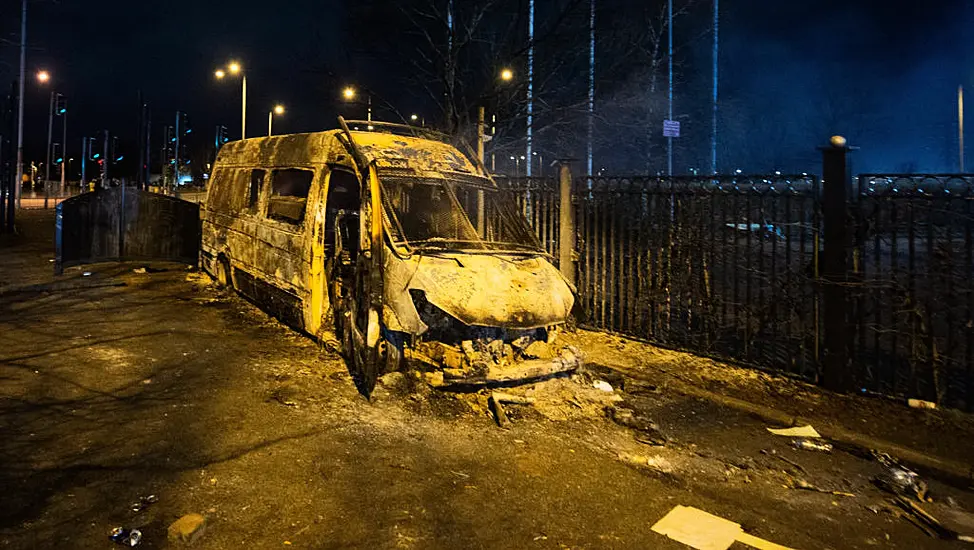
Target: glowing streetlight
column 414, row 118
column 349, row 94
column 235, row 68
column 507, row 75
column 43, row 77
column 278, row 110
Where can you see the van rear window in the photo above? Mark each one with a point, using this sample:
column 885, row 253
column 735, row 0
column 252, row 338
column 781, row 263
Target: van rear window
column 289, row 194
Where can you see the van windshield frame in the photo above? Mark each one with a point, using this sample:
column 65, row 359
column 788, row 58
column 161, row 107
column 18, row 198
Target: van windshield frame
column 441, row 213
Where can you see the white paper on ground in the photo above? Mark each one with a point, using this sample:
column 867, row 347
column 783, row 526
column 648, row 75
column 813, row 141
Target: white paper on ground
column 798, row 431
column 703, row 531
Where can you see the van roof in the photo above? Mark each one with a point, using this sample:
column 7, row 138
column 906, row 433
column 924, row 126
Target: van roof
column 389, row 151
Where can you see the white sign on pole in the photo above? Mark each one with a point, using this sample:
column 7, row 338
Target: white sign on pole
column 671, row 128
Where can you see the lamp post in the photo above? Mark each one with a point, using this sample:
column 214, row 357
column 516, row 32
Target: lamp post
column 234, row 68
column 277, row 110
column 349, row 93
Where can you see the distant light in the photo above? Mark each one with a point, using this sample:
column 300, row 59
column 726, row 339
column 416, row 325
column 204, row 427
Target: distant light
column 371, row 127
column 96, row 155
column 507, row 75
column 234, row 67
column 220, row 73
column 62, row 111
column 349, row 93
column 513, row 158
column 189, row 130
column 278, row 109
column 43, row 76
column 185, row 179
column 522, row 157
column 738, row 171
column 777, row 173
column 120, row 157
column 414, row 118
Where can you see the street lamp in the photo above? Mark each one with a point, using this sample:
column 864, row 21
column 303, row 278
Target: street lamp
column 278, row 110
column 43, row 77
column 507, row 75
column 234, row 68
column 349, row 94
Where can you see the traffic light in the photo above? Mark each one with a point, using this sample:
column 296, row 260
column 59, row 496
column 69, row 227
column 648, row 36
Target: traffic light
column 184, row 126
column 93, row 153
column 57, row 153
column 60, row 104
column 221, row 136
column 116, row 151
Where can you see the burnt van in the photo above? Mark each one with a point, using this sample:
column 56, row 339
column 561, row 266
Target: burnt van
column 394, row 241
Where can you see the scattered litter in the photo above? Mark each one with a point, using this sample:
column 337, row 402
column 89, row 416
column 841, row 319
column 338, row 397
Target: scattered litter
column 812, row 445
column 187, row 529
column 139, row 270
column 925, row 521
column 513, row 399
column 647, row 431
column 86, row 274
column 802, row 484
column 788, row 461
column 798, row 431
column 703, row 531
column 126, row 537
column 144, row 502
column 499, row 415
column 602, row 385
column 898, row 479
column 921, row 404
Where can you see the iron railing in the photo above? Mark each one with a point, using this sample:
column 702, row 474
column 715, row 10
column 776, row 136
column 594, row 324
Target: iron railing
column 914, row 286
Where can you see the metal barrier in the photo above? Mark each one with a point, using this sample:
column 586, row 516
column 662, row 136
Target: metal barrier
column 122, row 223
column 913, row 291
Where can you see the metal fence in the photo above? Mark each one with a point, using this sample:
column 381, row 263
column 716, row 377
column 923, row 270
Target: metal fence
column 720, row 266
column 538, row 200
column 730, row 267
column 913, row 299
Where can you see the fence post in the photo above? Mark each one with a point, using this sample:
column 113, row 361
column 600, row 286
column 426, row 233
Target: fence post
column 836, row 192
column 566, row 222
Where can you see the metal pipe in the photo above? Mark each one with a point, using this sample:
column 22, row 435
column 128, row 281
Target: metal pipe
column 243, row 110
column 530, row 129
column 20, row 114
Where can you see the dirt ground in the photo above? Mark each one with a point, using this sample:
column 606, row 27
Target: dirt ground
column 118, row 385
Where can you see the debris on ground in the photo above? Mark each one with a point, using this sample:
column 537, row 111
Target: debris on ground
column 497, row 409
column 144, row 502
column 602, row 385
column 799, row 483
column 773, row 453
column 647, row 432
column 703, row 531
column 126, row 537
column 187, row 529
column 807, row 444
column 798, row 431
column 900, row 480
column 921, row 404
column 86, row 274
column 140, row 271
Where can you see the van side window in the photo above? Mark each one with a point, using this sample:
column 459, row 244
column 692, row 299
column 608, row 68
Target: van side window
column 289, row 194
column 256, row 182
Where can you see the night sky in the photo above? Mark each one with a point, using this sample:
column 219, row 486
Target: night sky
column 883, row 73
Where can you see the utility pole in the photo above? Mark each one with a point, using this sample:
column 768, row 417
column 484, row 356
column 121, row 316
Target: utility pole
column 20, row 115
column 713, row 129
column 105, row 161
column 175, row 167
column 530, row 129
column 139, row 178
column 669, row 139
column 591, row 84
column 64, row 147
column 84, row 159
column 50, row 129
column 960, row 126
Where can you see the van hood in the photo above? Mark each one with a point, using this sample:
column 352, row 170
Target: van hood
column 495, row 290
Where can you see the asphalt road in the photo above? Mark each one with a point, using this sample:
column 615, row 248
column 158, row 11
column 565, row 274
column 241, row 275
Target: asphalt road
column 119, row 385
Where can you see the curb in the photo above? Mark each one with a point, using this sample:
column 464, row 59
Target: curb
column 953, row 472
